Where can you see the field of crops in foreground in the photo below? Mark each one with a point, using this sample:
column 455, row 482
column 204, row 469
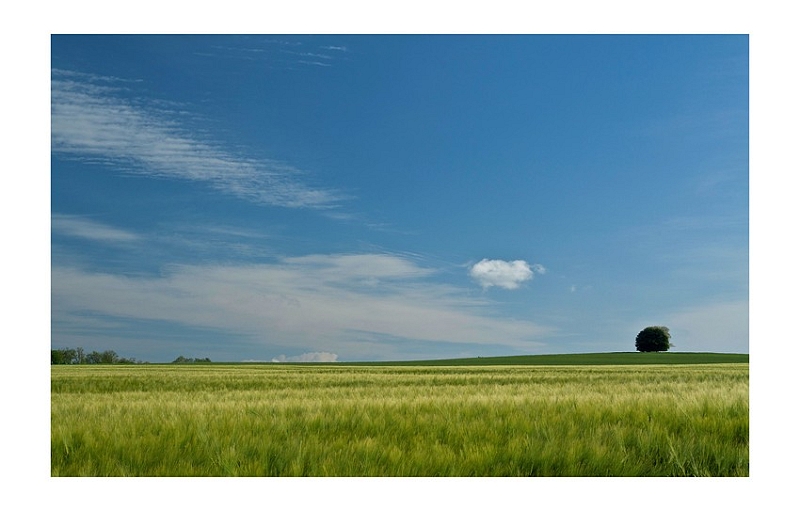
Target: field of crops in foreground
column 278, row 420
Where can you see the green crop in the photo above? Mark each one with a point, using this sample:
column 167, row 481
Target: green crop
column 277, row 420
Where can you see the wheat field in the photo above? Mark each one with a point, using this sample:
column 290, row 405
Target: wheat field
column 306, row 420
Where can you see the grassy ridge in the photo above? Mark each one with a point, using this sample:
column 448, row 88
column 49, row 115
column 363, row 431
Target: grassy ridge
column 338, row 420
column 578, row 359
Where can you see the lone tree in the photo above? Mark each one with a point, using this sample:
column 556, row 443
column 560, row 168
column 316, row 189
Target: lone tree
column 653, row 338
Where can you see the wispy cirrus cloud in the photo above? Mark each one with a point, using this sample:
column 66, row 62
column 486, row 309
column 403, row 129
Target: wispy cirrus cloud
column 94, row 119
column 337, row 303
column 81, row 227
column 314, row 63
column 275, row 53
column 311, row 58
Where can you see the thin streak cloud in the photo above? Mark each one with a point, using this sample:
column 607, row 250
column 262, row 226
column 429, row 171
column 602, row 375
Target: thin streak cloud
column 314, row 63
column 76, row 226
column 95, row 122
column 312, row 303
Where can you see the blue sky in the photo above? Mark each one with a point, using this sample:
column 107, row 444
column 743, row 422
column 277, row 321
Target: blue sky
column 332, row 197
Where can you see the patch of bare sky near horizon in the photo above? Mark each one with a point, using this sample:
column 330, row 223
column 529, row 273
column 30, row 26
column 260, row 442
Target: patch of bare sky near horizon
column 95, row 123
column 316, row 356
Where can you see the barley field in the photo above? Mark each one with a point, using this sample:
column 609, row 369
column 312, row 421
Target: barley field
column 336, row 420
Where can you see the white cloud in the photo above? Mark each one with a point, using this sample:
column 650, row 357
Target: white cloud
column 71, row 225
column 505, row 274
column 317, row 303
column 317, row 356
column 314, row 63
column 92, row 120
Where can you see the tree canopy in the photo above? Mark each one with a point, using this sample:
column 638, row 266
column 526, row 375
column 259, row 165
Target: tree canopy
column 187, row 360
column 69, row 356
column 77, row 356
column 653, row 338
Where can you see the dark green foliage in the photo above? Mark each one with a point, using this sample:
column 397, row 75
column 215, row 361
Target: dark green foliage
column 77, row 356
column 184, row 360
column 63, row 356
column 653, row 338
column 106, row 357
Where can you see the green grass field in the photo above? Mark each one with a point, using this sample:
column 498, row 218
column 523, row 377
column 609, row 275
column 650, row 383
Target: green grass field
column 661, row 419
column 618, row 358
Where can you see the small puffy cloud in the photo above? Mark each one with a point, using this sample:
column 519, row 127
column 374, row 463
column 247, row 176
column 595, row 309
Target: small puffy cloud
column 317, row 356
column 505, row 274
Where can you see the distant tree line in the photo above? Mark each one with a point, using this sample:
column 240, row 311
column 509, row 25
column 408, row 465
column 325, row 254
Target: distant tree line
column 79, row 356
column 68, row 356
column 185, row 360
